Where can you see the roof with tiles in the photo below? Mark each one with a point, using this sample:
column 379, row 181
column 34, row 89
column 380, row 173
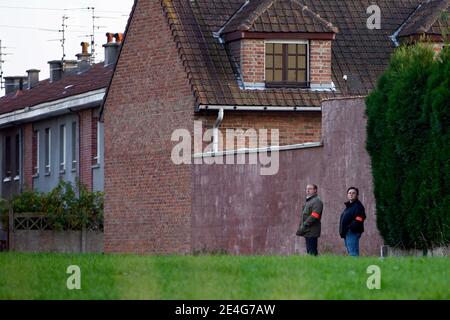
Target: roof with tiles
column 97, row 77
column 358, row 52
column 277, row 16
column 430, row 18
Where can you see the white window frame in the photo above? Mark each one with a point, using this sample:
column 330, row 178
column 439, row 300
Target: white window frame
column 6, row 178
column 38, row 143
column 49, row 165
column 97, row 157
column 62, row 145
column 74, row 146
column 308, row 58
column 17, row 177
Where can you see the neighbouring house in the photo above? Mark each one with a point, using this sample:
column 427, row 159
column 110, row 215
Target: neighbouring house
column 302, row 67
column 49, row 129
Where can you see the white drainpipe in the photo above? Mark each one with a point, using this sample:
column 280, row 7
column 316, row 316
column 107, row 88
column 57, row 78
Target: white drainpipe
column 216, row 131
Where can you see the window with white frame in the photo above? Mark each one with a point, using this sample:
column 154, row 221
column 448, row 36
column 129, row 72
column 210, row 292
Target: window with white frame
column 7, row 159
column 74, row 146
column 35, row 152
column 95, row 142
column 98, row 141
column 47, row 142
column 62, row 148
column 17, row 157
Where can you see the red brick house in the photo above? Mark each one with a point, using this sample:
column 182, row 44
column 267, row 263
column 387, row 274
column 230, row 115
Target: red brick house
column 299, row 66
column 49, row 129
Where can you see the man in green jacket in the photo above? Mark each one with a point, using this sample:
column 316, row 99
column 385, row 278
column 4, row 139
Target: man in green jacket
column 310, row 219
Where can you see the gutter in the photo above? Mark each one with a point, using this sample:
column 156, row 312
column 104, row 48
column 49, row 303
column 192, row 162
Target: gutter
column 204, row 107
column 57, row 107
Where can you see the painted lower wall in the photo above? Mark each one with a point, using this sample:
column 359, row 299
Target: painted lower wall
column 98, row 172
column 45, row 182
column 90, row 173
column 237, row 210
column 56, row 241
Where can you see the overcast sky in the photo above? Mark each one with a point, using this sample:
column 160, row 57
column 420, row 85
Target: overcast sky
column 29, row 30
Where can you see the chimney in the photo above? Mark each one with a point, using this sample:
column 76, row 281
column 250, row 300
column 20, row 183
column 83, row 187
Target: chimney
column 112, row 48
column 70, row 66
column 14, row 83
column 56, row 70
column 84, row 58
column 33, row 78
column 118, row 37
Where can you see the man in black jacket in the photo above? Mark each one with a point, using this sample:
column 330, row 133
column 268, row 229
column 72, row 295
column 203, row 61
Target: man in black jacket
column 351, row 225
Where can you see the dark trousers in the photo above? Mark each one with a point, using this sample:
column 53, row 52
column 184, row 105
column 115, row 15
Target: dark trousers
column 311, row 246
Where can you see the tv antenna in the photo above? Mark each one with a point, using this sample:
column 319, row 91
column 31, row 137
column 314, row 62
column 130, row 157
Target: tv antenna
column 93, row 32
column 2, row 84
column 63, row 40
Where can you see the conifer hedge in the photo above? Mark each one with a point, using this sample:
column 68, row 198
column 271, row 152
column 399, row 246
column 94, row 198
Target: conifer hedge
column 408, row 140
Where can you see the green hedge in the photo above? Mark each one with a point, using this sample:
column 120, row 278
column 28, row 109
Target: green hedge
column 408, row 140
column 67, row 207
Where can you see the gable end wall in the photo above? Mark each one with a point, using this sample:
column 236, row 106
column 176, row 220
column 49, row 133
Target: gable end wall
column 148, row 198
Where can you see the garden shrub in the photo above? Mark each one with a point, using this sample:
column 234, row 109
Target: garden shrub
column 66, row 207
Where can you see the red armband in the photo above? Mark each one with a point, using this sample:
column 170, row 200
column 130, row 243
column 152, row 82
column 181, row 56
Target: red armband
column 315, row 215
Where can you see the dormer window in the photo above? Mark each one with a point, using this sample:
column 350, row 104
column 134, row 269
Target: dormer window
column 279, row 44
column 286, row 64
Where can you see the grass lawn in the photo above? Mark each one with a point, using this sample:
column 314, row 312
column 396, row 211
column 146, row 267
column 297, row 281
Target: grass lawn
column 43, row 276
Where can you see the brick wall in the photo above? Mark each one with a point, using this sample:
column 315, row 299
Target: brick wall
column 320, row 62
column 88, row 146
column 86, row 149
column 249, row 53
column 294, row 128
column 148, row 199
column 94, row 132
